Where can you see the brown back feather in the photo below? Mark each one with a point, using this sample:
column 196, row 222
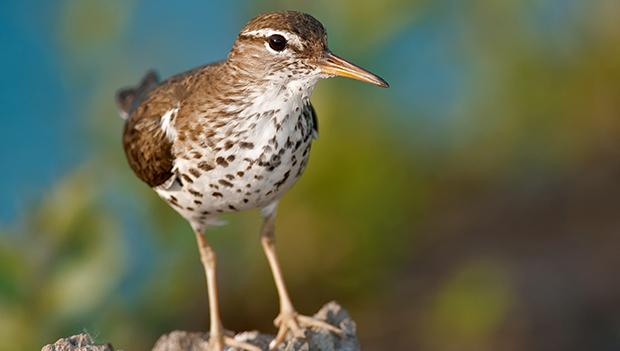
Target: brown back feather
column 149, row 152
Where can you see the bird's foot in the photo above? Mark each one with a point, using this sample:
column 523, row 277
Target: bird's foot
column 294, row 322
column 220, row 343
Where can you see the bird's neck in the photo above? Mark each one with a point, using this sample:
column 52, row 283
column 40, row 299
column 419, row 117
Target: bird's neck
column 259, row 82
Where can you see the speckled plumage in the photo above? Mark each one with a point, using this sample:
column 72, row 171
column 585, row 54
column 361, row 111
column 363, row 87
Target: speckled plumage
column 228, row 136
column 236, row 135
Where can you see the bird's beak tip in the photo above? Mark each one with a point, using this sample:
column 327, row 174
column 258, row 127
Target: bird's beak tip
column 384, row 84
column 337, row 66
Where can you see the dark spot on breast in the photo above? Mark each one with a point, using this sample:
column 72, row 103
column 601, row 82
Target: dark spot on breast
column 194, row 192
column 205, row 213
column 216, row 194
column 221, row 161
column 197, row 202
column 205, row 166
column 189, row 208
column 196, row 154
column 230, row 158
column 284, row 178
column 240, row 174
column 246, row 145
column 173, row 198
column 232, row 207
column 187, row 178
column 228, row 145
column 196, row 173
column 225, row 183
column 245, row 201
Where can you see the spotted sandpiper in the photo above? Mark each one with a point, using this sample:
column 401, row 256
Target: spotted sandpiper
column 236, row 135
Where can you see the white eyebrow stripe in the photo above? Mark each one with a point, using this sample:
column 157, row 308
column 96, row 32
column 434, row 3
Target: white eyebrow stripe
column 264, row 33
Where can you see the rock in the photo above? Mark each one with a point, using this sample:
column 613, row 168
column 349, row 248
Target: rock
column 79, row 342
column 315, row 340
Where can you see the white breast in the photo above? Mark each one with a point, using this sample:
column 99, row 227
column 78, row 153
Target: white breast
column 259, row 155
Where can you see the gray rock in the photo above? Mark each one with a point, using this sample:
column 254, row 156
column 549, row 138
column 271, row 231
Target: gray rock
column 315, row 339
column 79, row 342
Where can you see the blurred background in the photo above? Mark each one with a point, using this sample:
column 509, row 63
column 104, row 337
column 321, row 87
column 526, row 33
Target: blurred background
column 476, row 206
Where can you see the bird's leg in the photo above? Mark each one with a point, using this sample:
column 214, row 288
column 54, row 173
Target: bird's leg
column 217, row 339
column 288, row 320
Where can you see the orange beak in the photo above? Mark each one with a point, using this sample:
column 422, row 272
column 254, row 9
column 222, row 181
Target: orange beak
column 336, row 66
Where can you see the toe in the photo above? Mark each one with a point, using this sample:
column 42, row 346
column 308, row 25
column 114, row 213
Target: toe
column 278, row 339
column 295, row 323
column 295, row 329
column 313, row 322
column 240, row 344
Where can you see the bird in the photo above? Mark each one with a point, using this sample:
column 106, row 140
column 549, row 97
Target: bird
column 235, row 135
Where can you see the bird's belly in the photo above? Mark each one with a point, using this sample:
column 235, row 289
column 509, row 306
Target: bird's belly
column 248, row 162
column 234, row 180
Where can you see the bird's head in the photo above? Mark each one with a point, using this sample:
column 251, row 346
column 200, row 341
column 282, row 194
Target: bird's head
column 290, row 46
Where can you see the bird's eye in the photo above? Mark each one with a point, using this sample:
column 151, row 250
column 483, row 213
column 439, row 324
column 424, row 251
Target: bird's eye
column 277, row 42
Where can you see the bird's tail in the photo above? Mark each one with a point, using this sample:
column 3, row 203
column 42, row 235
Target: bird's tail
column 128, row 99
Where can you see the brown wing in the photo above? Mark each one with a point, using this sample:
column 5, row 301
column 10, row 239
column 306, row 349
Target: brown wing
column 148, row 150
